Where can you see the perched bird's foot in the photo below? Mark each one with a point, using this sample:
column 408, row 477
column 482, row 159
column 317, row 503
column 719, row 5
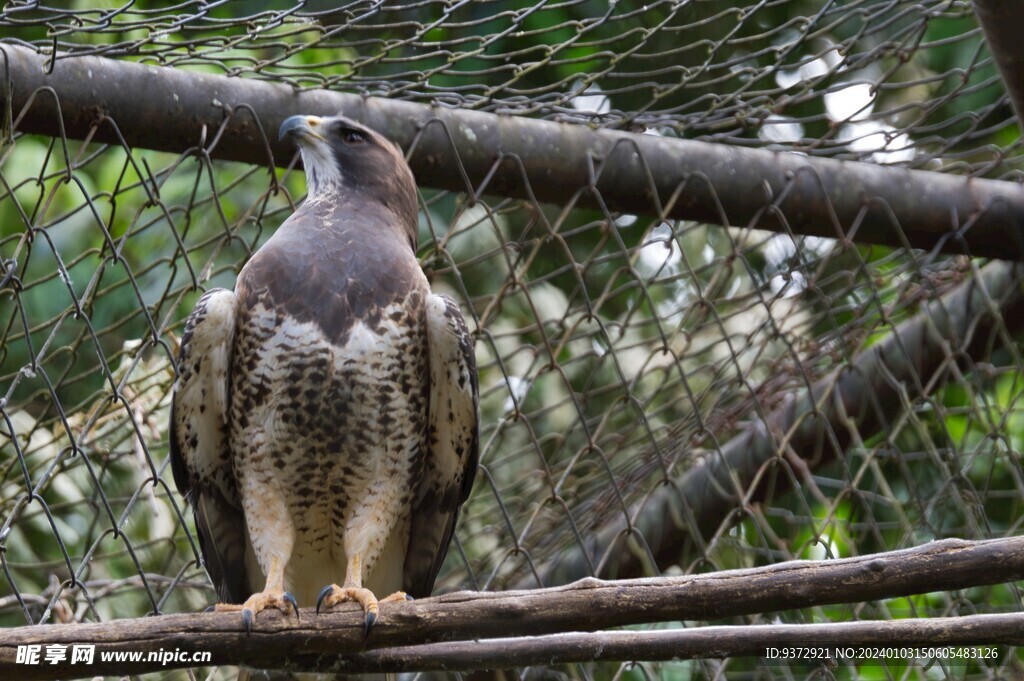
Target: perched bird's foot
column 271, row 598
column 333, row 594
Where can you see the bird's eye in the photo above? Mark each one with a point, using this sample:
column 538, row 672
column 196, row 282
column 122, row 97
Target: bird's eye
column 350, row 136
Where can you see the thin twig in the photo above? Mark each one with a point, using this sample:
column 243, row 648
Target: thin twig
column 819, row 644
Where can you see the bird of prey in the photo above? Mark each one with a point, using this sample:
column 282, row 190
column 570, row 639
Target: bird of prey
column 324, row 419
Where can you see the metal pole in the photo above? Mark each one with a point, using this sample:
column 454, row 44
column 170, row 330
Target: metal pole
column 237, row 118
column 1003, row 24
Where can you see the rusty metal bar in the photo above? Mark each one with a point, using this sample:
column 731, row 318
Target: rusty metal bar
column 236, row 119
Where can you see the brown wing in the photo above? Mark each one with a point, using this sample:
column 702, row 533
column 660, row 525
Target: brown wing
column 453, row 444
column 199, row 448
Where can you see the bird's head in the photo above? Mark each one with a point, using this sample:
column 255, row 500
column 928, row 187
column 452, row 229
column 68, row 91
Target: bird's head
column 342, row 157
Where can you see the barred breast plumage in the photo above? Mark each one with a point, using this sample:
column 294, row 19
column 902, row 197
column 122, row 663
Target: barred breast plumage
column 345, row 437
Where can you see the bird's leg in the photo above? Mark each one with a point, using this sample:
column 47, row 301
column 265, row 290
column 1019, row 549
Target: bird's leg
column 353, row 590
column 272, row 596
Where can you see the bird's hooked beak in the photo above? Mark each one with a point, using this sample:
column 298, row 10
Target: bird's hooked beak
column 299, row 127
column 318, row 159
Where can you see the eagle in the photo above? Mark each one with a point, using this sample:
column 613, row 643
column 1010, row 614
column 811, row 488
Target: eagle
column 324, row 417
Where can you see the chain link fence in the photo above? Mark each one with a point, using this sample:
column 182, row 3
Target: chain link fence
column 616, row 351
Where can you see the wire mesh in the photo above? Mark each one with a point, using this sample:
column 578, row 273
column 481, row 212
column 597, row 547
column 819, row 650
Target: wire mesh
column 615, row 350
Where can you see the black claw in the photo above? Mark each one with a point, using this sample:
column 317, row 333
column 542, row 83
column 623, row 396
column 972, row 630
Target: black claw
column 291, row 600
column 212, row 608
column 323, row 594
column 247, row 620
column 368, row 624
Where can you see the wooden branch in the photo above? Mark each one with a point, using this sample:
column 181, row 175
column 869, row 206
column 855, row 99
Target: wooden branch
column 482, row 153
column 319, row 641
column 856, row 401
column 678, row 644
